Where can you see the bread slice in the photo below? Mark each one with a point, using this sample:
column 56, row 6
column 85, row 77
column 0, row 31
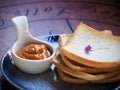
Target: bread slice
column 93, row 48
column 92, row 70
column 115, row 78
column 63, row 38
column 79, row 74
column 67, row 78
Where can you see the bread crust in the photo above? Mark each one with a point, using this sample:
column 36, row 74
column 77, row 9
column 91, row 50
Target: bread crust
column 115, row 78
column 86, row 69
column 89, row 62
column 67, row 78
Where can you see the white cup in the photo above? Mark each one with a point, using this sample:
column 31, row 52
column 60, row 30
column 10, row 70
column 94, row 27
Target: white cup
column 23, row 38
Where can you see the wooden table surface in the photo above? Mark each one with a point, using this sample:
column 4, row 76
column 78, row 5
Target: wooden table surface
column 55, row 17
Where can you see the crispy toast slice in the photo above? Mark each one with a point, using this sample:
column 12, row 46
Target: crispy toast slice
column 63, row 38
column 93, row 48
column 92, row 70
column 79, row 74
column 67, row 78
column 115, row 78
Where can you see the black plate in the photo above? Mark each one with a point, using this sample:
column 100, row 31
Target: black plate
column 48, row 80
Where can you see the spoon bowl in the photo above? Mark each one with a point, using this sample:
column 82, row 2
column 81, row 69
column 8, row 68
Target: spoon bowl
column 24, row 38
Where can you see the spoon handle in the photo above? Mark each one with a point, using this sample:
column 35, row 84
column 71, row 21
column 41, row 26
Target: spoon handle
column 21, row 25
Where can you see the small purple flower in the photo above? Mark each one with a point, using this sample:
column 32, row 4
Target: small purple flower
column 88, row 49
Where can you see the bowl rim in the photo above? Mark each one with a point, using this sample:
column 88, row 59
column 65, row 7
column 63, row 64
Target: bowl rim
column 38, row 60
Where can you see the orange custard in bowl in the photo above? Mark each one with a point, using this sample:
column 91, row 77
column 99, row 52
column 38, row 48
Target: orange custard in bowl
column 34, row 52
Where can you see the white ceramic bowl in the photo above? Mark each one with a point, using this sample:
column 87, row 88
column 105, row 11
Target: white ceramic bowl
column 31, row 66
column 24, row 38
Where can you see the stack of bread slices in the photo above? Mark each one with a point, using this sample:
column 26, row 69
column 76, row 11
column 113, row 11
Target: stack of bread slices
column 88, row 55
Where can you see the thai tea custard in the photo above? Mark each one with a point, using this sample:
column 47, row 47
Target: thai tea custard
column 34, row 51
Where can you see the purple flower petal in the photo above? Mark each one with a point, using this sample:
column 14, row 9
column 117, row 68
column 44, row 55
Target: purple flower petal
column 88, row 49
